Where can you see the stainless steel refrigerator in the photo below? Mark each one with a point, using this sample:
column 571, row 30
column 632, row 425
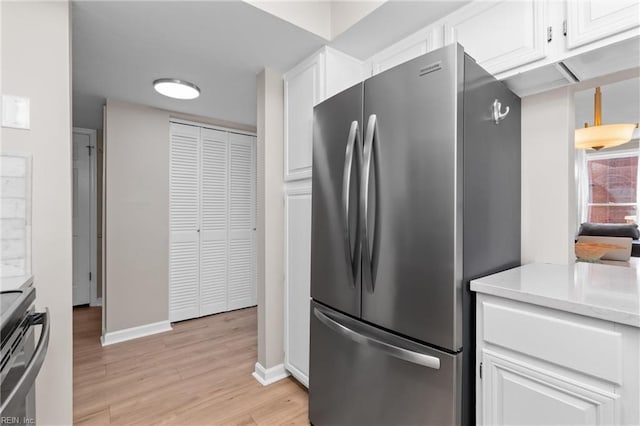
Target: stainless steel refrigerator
column 416, row 191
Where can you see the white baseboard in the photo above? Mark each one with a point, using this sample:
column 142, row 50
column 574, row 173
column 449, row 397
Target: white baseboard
column 297, row 374
column 267, row 376
column 135, row 332
column 97, row 302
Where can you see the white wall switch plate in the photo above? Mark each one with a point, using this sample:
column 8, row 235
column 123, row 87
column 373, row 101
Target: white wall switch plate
column 15, row 112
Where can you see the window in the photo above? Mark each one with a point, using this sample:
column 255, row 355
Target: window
column 613, row 185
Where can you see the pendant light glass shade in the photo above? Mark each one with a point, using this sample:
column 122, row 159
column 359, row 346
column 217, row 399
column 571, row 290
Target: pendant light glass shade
column 177, row 89
column 606, row 136
column 602, row 136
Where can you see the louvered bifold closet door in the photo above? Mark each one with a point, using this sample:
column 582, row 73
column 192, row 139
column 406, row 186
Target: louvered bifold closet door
column 242, row 188
column 183, row 222
column 214, row 218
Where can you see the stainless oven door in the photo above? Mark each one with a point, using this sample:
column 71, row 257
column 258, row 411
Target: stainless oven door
column 21, row 363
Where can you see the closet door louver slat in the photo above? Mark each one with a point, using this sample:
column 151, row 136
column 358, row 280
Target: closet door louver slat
column 213, row 231
column 242, row 268
column 183, row 222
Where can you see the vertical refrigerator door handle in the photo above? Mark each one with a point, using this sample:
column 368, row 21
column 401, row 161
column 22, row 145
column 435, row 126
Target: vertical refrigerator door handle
column 371, row 137
column 353, row 146
column 404, row 354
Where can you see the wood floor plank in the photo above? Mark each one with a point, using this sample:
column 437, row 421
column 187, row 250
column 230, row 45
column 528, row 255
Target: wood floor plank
column 197, row 374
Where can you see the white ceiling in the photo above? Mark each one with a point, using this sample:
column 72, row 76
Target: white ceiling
column 119, row 48
column 620, row 103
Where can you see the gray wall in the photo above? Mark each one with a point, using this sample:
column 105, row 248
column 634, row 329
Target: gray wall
column 136, row 212
column 548, row 189
column 136, row 175
column 36, row 64
column 270, row 218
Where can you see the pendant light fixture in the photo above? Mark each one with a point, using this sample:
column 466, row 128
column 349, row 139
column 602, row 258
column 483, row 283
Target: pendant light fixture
column 177, row 89
column 601, row 136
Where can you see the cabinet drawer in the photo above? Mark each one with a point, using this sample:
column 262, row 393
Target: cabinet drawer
column 573, row 341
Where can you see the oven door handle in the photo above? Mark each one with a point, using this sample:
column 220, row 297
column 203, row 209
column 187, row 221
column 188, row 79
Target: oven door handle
column 27, row 380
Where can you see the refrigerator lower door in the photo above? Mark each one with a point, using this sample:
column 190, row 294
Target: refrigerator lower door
column 361, row 375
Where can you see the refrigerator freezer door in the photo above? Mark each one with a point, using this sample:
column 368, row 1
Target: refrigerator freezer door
column 361, row 375
column 412, row 244
column 335, row 247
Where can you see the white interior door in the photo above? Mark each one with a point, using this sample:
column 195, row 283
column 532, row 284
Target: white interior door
column 214, row 218
column 82, row 146
column 242, row 187
column 184, row 219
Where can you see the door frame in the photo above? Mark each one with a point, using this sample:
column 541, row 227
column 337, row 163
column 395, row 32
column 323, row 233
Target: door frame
column 93, row 220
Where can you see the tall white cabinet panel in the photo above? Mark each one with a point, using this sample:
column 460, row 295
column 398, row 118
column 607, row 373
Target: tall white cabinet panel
column 502, row 35
column 301, row 91
column 297, row 272
column 242, row 268
column 212, row 221
column 184, row 196
column 593, row 20
column 213, row 231
column 322, row 75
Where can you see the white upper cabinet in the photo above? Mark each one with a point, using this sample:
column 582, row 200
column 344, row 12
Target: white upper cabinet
column 406, row 49
column 302, row 88
column 522, row 42
column 589, row 21
column 323, row 75
column 340, row 72
column 501, row 35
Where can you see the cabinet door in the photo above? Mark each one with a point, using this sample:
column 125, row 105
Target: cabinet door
column 184, row 222
column 297, row 281
column 514, row 393
column 593, row 20
column 500, row 36
column 214, row 218
column 341, row 71
column 301, row 92
column 242, row 269
column 411, row 47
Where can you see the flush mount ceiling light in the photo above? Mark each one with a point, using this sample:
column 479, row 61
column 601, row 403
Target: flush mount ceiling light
column 602, row 136
column 174, row 88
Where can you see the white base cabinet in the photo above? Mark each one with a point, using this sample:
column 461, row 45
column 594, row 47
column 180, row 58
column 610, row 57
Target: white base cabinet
column 542, row 366
column 297, row 210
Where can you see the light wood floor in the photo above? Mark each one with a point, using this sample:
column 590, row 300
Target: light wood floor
column 197, row 374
